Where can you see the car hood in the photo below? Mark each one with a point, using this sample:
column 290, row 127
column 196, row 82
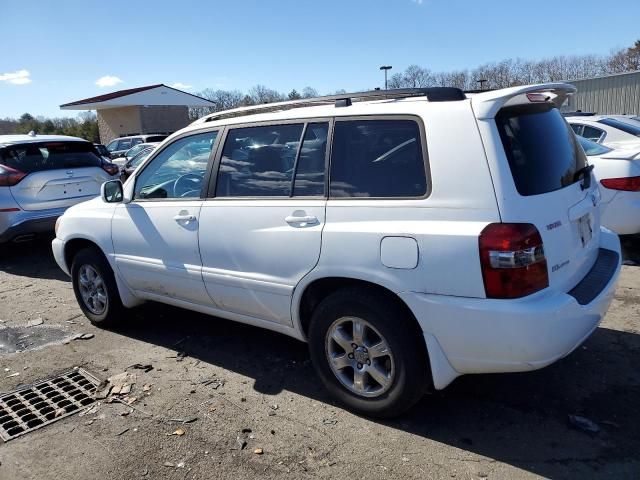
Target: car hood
column 93, row 204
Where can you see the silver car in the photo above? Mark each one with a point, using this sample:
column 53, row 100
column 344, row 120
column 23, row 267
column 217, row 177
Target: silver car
column 41, row 176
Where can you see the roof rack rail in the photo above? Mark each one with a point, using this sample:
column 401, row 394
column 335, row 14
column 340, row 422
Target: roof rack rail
column 433, row 94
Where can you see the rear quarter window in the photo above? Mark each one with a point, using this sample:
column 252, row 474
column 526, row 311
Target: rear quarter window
column 541, row 148
column 378, row 159
column 37, row 157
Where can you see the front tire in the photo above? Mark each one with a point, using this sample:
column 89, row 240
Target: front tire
column 95, row 288
column 368, row 352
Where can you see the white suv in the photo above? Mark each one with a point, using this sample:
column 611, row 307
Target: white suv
column 409, row 237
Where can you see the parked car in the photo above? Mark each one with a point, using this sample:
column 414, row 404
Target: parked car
column 119, row 146
column 132, row 152
column 607, row 130
column 618, row 174
column 41, row 176
column 408, row 242
column 129, row 167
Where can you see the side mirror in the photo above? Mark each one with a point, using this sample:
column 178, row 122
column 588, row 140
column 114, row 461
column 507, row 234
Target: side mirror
column 112, row 191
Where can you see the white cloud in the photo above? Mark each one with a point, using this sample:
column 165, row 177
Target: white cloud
column 418, row 2
column 181, row 86
column 108, row 81
column 20, row 77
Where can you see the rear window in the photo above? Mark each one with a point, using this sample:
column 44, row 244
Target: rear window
column 541, row 148
column 592, row 148
column 37, row 157
column 625, row 127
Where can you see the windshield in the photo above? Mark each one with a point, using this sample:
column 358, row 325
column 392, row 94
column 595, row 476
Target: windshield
column 592, row 148
column 41, row 156
column 625, row 127
column 541, row 148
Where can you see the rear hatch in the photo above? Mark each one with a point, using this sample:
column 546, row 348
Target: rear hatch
column 554, row 189
column 58, row 174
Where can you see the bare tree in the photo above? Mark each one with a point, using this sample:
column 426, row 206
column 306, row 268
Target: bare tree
column 308, row 92
column 261, row 94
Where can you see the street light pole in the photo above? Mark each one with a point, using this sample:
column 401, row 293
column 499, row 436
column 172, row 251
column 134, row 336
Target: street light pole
column 482, row 81
column 386, row 68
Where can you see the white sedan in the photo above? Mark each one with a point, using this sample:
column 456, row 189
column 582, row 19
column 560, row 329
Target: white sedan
column 618, row 175
column 607, row 130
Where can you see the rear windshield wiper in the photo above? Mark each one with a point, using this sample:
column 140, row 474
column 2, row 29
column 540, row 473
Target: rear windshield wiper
column 585, row 174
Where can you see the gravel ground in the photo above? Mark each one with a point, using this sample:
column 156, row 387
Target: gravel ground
column 482, row 426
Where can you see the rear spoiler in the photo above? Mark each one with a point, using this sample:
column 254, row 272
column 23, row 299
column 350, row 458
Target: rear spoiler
column 486, row 105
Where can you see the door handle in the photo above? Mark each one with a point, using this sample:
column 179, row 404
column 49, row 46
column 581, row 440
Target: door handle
column 185, row 218
column 309, row 220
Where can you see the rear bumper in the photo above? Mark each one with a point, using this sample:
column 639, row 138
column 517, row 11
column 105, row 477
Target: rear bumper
column 24, row 224
column 476, row 335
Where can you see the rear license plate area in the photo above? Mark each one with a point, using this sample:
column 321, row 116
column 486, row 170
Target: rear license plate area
column 584, row 229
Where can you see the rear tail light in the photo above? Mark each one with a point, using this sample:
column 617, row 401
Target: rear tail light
column 538, row 97
column 10, row 176
column 512, row 260
column 628, row 184
column 110, row 168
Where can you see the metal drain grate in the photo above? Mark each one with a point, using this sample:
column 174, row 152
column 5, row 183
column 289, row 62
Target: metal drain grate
column 45, row 402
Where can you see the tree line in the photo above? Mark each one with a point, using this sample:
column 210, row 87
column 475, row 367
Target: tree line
column 85, row 125
column 506, row 73
column 513, row 72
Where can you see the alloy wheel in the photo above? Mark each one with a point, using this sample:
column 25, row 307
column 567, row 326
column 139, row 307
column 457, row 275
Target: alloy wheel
column 360, row 357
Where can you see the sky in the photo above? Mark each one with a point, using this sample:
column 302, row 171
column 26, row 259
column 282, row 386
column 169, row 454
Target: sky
column 57, row 51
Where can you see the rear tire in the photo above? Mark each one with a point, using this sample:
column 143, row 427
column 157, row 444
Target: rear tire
column 387, row 371
column 95, row 288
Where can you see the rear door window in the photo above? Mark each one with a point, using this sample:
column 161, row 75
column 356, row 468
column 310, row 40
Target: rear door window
column 42, row 156
column 310, row 166
column 592, row 133
column 541, row 148
column 577, row 128
column 377, row 158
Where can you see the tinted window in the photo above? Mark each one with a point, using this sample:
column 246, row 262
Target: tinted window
column 135, row 141
column 258, row 161
column 311, row 162
column 542, row 150
column 177, row 171
column 155, row 138
column 592, row 133
column 625, row 127
column 37, row 157
column 377, row 158
column 592, row 148
column 577, row 128
column 113, row 145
